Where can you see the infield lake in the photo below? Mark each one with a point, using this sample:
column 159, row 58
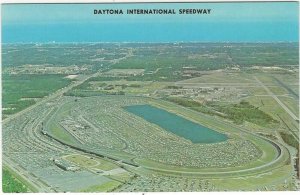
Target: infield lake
column 177, row 124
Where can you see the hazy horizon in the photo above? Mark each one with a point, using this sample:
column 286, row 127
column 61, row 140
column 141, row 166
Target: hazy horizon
column 228, row 22
column 133, row 42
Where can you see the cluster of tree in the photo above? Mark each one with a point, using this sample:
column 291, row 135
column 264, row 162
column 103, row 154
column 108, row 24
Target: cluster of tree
column 244, row 111
column 238, row 113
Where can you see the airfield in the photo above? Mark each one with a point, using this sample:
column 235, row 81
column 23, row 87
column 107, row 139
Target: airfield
column 93, row 135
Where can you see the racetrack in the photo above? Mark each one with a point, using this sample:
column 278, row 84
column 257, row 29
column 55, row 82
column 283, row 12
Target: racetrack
column 274, row 154
column 113, row 134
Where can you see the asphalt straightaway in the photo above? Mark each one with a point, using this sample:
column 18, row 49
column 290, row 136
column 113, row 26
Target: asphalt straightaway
column 38, row 185
column 16, row 168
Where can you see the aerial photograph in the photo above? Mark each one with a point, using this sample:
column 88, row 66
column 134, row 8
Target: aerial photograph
column 150, row 97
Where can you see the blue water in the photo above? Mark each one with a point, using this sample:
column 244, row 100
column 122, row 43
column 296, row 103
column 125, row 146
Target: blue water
column 176, row 124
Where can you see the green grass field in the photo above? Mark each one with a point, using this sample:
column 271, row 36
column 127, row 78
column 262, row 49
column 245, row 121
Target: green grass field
column 21, row 91
column 290, row 139
column 11, row 184
column 87, row 162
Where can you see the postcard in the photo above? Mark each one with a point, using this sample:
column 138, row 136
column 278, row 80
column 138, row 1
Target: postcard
column 150, row 97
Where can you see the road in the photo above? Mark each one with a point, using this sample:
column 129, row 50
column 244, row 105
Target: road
column 48, row 98
column 276, row 99
column 25, row 175
column 31, row 179
column 35, row 182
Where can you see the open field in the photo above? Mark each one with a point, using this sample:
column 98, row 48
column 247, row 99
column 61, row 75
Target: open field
column 21, row 91
column 71, row 130
column 90, row 162
column 11, row 183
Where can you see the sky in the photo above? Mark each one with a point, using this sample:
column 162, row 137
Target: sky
column 228, row 22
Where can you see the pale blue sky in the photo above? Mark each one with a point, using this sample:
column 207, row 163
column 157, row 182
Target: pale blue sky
column 235, row 22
